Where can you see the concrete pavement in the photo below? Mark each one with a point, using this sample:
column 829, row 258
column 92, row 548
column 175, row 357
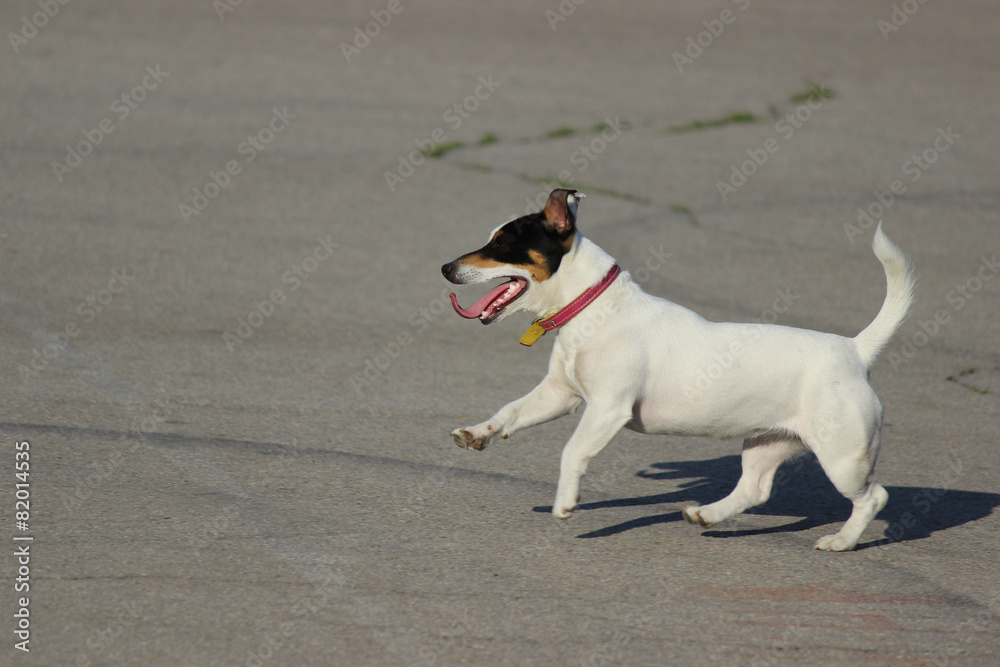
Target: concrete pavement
column 227, row 343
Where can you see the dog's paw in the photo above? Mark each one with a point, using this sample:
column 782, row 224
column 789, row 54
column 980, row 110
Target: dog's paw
column 466, row 440
column 833, row 543
column 564, row 510
column 476, row 437
column 693, row 516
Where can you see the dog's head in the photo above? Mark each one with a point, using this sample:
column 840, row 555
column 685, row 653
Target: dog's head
column 524, row 253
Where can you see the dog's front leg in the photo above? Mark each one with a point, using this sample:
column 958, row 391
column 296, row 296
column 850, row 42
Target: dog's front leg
column 596, row 429
column 552, row 398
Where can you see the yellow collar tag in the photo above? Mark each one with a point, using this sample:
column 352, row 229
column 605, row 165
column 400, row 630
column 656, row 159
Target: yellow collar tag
column 534, row 332
column 569, row 311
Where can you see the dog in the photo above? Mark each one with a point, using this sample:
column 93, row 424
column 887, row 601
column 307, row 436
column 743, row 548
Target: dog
column 640, row 362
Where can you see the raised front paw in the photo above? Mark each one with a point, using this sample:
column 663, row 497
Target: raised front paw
column 474, row 437
column 464, row 438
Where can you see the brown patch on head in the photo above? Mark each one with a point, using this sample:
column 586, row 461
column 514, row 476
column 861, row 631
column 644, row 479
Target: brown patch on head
column 538, row 267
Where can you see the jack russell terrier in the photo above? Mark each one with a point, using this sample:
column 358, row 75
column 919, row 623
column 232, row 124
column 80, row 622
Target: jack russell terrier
column 640, row 362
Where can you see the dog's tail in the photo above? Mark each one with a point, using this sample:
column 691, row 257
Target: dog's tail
column 898, row 299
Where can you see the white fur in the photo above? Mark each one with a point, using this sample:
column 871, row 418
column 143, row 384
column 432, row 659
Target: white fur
column 652, row 366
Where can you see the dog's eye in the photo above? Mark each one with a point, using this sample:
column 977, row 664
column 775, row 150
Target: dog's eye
column 500, row 244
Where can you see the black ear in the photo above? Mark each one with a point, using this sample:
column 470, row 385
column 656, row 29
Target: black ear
column 560, row 211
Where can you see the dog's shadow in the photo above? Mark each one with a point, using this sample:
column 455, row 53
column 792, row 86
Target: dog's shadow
column 801, row 491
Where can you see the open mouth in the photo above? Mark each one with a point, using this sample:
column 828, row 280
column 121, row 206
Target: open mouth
column 488, row 308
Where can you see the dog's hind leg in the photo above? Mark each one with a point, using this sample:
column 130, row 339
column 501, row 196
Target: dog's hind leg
column 852, row 475
column 761, row 458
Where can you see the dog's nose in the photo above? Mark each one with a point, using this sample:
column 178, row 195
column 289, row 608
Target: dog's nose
column 448, row 271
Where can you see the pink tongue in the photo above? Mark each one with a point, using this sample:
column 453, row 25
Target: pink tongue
column 476, row 309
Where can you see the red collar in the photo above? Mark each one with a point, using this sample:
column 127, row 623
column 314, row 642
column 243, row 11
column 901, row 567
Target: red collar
column 570, row 310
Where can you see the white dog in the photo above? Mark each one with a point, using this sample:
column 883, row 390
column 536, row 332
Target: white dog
column 641, row 362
